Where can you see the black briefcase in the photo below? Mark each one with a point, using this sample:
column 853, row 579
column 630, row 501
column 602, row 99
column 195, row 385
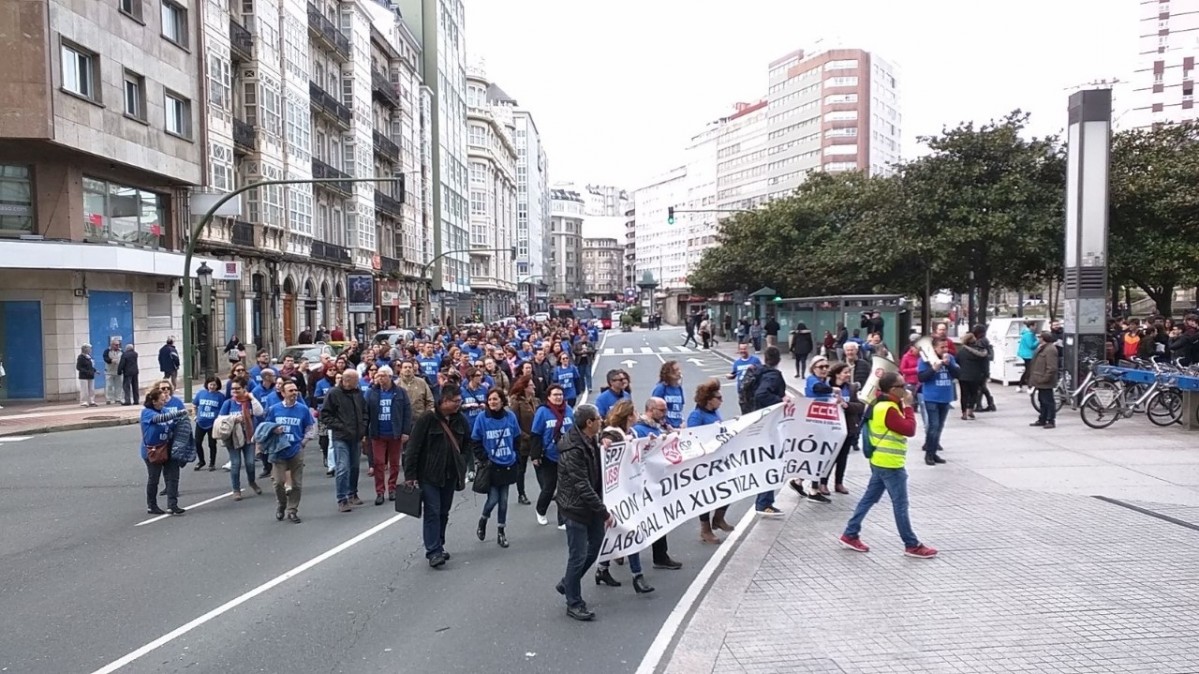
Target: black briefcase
column 408, row 500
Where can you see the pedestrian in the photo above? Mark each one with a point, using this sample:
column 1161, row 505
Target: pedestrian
column 972, row 362
column 705, row 332
column 495, row 434
column 389, row 425
column 207, row 403
column 890, row 422
column 112, row 380
column 669, row 388
column 85, row 369
column 618, row 428
column 524, row 403
column 292, row 421
column 345, row 415
column 707, row 412
column 158, row 428
column 936, row 379
column 567, row 376
column 168, row 362
column 552, row 420
column 435, row 462
column 127, row 368
column 653, row 423
column 846, row 397
column 1025, row 350
column 755, row 335
column 1043, row 377
column 689, row 325
column 801, row 347
column 771, row 329
column 580, row 502
column 984, row 391
column 742, row 365
column 770, row 390
column 245, row 412
column 614, row 392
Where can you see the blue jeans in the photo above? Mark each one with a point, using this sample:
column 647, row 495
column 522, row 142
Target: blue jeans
column 764, row 500
column 497, row 496
column 585, row 376
column 634, row 563
column 937, row 414
column 239, row 459
column 583, row 543
column 894, row 481
column 347, row 458
column 435, row 515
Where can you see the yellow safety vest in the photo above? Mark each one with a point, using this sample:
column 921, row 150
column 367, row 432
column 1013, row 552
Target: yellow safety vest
column 890, row 448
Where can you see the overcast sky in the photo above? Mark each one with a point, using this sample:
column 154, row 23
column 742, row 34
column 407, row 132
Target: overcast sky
column 617, row 87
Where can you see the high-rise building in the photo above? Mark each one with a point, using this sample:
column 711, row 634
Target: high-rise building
column 630, row 247
column 532, row 214
column 1163, row 86
column 603, row 263
column 566, row 245
column 491, row 130
column 101, row 140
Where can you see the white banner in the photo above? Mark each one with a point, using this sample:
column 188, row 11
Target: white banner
column 652, row 485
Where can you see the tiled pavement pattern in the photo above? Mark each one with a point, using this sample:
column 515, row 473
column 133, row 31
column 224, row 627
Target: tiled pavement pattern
column 1025, row 582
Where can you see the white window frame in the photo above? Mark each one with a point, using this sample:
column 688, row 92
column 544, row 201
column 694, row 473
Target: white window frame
column 177, row 113
column 80, row 71
column 133, row 94
column 174, row 23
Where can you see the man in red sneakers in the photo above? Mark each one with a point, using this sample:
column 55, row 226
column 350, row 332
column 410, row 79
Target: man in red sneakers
column 891, row 420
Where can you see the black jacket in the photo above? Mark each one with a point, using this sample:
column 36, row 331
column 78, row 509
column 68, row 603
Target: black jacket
column 861, row 370
column 801, row 343
column 543, row 376
column 401, row 412
column 972, row 363
column 429, row 456
column 344, row 413
column 168, row 358
column 579, row 482
column 128, row 364
column 771, row 388
column 85, row 366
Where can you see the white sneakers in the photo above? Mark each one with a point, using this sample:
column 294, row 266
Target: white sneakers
column 541, row 519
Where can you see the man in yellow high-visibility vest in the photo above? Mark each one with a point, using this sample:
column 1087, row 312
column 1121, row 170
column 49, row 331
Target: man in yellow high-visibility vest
column 890, row 422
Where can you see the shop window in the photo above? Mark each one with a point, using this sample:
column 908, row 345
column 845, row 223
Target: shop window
column 114, row 212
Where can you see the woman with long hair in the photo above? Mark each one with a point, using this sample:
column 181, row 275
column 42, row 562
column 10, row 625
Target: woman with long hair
column 617, row 428
column 552, row 420
column 524, row 403
column 496, row 432
column 707, row 405
column 247, row 412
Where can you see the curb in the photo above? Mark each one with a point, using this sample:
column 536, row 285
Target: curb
column 75, row 426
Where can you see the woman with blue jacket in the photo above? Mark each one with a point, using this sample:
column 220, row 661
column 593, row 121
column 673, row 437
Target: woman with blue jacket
column 1028, row 346
column 567, row 376
column 158, row 428
column 707, row 412
column 208, row 405
column 496, row 432
column 670, row 389
column 553, row 419
column 816, row 385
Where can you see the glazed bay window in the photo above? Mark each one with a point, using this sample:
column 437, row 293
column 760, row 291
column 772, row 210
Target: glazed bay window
column 16, row 198
column 115, row 212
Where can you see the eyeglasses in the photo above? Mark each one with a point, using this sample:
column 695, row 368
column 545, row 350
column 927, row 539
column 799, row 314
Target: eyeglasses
column 718, row 396
column 820, row 367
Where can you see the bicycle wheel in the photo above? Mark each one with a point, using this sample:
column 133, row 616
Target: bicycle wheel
column 1032, row 398
column 1165, row 408
column 1100, row 409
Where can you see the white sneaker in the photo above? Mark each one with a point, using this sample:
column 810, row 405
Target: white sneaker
column 1020, row 389
column 561, row 527
column 541, row 519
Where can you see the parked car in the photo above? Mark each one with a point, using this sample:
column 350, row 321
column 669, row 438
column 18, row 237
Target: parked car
column 393, row 336
column 312, row 352
column 541, row 317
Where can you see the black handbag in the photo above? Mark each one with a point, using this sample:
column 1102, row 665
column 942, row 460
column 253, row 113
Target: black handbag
column 408, row 500
column 482, row 483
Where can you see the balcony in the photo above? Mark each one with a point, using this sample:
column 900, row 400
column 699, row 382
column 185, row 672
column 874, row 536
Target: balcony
column 244, row 234
column 328, row 252
column 385, row 147
column 324, row 30
column 321, row 101
column 383, row 89
column 241, row 39
column 245, row 136
column 388, row 265
column 322, row 171
column 388, row 205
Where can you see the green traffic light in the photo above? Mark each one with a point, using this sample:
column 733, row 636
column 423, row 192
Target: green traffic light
column 670, row 220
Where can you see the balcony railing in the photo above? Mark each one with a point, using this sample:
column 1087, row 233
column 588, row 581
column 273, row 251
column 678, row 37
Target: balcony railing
column 331, row 253
column 244, row 234
column 245, row 136
column 322, row 171
column 385, row 147
column 384, row 89
column 333, row 108
column 388, row 265
column 387, row 204
column 241, row 39
column 323, row 28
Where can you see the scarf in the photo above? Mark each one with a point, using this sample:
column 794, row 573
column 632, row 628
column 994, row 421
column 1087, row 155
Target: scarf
column 497, row 414
column 246, row 417
column 559, row 412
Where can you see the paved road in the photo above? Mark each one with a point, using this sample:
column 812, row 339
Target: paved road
column 225, row 587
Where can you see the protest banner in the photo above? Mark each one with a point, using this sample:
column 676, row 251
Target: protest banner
column 652, row 485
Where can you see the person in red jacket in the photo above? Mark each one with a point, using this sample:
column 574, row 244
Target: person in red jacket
column 908, row 367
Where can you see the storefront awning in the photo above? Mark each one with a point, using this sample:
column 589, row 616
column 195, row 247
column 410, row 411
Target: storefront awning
column 98, row 257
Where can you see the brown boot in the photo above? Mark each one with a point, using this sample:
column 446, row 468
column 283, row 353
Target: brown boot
column 718, row 522
column 706, row 535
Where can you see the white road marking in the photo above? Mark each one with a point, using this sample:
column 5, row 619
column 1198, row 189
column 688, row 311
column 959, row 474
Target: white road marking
column 646, row 349
column 609, row 351
column 190, row 507
column 628, row 363
column 684, row 349
column 238, row 601
column 595, row 365
column 653, row 657
column 14, row 438
column 626, row 350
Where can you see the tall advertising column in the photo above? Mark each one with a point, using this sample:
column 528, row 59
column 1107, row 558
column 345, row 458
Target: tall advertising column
column 1088, row 147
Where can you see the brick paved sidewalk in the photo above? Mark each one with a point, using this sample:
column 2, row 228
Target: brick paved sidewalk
column 42, row 417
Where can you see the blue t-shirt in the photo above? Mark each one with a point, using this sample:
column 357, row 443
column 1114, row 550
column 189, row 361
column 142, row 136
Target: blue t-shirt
column 386, row 430
column 702, row 417
column 741, row 365
column 607, row 400
column 208, row 405
column 473, row 401
column 815, row 387
column 295, row 420
column 154, row 433
column 673, row 395
column 475, row 352
column 497, row 437
column 270, row 400
column 939, row 389
column 321, row 390
column 429, row 366
column 256, row 374
column 544, row 423
column 173, row 403
column 566, row 378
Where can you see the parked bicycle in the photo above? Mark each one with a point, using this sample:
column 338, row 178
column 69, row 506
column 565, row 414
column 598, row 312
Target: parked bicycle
column 1154, row 393
column 1062, row 393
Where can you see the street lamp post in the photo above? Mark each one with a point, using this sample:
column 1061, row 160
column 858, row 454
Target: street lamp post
column 188, row 301
column 204, row 331
column 532, row 289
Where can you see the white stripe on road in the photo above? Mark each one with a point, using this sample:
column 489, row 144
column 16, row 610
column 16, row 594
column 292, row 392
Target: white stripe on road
column 238, row 601
column 653, row 657
column 626, row 350
column 190, row 507
column 595, row 364
column 646, row 349
column 684, row 349
column 609, row 351
column 14, row 438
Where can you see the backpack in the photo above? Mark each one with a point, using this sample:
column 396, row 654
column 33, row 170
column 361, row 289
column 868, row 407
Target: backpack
column 749, row 386
column 867, row 444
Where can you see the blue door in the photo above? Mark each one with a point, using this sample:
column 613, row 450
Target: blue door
column 110, row 314
column 21, row 350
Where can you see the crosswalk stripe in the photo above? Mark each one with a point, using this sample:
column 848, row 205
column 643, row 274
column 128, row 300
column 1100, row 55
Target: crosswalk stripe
column 664, row 349
column 609, row 351
column 684, row 349
column 626, row 350
column 646, row 349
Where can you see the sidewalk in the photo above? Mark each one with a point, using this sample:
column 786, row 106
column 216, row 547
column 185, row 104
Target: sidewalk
column 1036, row 572
column 21, row 418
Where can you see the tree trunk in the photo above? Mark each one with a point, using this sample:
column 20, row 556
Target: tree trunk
column 1128, row 298
column 1162, row 296
column 1051, row 302
column 1115, row 289
column 984, row 300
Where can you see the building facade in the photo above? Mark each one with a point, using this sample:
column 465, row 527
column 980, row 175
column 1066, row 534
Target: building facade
column 100, row 144
column 532, row 215
column 603, row 268
column 630, row 249
column 491, row 129
column 566, row 246
column 1163, row 85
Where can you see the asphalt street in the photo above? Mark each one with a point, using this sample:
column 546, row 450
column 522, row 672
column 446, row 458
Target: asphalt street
column 227, row 588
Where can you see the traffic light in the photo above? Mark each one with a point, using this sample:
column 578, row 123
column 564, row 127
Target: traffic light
column 670, row 215
column 514, row 253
